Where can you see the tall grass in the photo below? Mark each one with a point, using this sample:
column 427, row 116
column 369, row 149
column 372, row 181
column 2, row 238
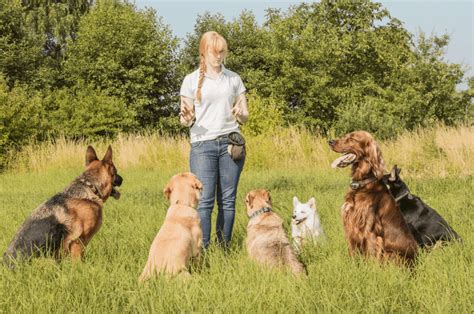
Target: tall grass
column 437, row 163
column 435, row 152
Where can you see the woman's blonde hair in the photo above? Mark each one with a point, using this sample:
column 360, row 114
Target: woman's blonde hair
column 209, row 41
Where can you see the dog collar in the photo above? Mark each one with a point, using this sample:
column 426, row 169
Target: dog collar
column 399, row 197
column 260, row 211
column 187, row 205
column 359, row 184
column 91, row 186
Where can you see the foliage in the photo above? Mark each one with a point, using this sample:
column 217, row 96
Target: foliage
column 34, row 39
column 128, row 54
column 83, row 112
column 21, row 119
column 20, row 48
column 266, row 115
column 97, row 68
column 327, row 61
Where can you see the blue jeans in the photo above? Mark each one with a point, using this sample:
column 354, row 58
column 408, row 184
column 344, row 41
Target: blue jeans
column 211, row 163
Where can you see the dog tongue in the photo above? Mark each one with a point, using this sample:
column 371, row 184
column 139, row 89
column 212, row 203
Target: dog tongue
column 343, row 161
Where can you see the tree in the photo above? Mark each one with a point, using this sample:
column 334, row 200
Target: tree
column 84, row 112
column 21, row 118
column 33, row 39
column 128, row 54
column 341, row 65
column 20, row 49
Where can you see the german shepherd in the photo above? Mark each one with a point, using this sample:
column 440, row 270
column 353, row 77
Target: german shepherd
column 64, row 224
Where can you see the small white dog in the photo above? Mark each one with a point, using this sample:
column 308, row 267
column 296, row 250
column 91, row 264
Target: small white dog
column 305, row 223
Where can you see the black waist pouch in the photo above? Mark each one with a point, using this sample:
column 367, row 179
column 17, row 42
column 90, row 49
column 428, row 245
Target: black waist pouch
column 236, row 147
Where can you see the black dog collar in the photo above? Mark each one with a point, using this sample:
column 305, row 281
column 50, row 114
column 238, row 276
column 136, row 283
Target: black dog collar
column 260, row 211
column 359, row 184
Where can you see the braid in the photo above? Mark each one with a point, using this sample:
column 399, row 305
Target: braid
column 202, row 70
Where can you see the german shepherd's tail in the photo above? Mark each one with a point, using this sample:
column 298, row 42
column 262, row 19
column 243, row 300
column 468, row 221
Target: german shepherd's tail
column 35, row 237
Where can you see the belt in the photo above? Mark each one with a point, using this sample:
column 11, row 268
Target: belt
column 222, row 137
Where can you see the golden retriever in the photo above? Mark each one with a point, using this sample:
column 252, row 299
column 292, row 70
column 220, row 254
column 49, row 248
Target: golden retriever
column 267, row 242
column 180, row 237
column 373, row 222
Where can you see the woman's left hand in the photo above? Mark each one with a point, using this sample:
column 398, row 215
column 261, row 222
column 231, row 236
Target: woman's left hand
column 237, row 111
column 240, row 111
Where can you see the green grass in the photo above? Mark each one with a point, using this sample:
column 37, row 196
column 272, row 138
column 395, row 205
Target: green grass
column 107, row 279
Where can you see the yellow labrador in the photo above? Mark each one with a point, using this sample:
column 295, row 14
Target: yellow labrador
column 180, row 237
column 267, row 242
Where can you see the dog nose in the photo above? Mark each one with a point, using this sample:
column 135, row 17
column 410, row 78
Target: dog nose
column 294, row 216
column 331, row 142
column 117, row 181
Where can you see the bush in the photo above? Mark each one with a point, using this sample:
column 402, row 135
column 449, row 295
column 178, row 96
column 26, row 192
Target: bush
column 21, row 118
column 87, row 113
column 266, row 115
column 374, row 115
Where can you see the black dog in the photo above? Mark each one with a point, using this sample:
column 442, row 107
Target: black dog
column 426, row 225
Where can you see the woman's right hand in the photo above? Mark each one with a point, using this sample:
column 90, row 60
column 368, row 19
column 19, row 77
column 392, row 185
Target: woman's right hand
column 187, row 112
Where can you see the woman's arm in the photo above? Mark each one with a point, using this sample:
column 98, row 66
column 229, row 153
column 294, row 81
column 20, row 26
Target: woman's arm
column 240, row 110
column 186, row 115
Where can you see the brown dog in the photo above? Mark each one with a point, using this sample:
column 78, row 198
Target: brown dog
column 373, row 222
column 267, row 242
column 69, row 219
column 180, row 237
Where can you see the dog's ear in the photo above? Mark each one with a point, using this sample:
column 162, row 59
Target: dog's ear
column 108, row 155
column 375, row 159
column 249, row 199
column 398, row 170
column 268, row 197
column 90, row 155
column 198, row 185
column 312, row 203
column 295, row 201
column 393, row 174
column 167, row 191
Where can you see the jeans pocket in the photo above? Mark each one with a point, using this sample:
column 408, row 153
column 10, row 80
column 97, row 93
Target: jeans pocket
column 196, row 144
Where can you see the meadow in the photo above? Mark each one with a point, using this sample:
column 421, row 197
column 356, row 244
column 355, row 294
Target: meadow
column 436, row 164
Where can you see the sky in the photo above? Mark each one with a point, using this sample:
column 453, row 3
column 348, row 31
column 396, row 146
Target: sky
column 452, row 17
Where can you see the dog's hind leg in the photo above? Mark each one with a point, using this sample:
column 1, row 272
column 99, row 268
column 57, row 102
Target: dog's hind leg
column 35, row 237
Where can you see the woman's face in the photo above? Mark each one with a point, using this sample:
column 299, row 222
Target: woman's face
column 214, row 58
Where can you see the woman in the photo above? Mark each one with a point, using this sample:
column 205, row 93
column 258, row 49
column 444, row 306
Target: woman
column 212, row 104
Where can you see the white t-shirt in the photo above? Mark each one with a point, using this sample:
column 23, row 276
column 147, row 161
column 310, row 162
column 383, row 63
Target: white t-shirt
column 214, row 113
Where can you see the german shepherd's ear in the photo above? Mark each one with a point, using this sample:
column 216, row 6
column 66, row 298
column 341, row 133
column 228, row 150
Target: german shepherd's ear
column 167, row 191
column 90, row 155
column 108, row 156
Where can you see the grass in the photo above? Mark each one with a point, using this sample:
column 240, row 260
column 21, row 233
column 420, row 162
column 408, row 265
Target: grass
column 294, row 163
